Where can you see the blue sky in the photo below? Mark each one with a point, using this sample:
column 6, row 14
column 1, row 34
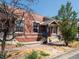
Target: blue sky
column 50, row 7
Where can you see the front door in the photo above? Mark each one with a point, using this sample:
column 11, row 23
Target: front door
column 43, row 30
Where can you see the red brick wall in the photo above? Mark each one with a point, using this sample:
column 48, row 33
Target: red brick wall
column 28, row 27
column 27, row 37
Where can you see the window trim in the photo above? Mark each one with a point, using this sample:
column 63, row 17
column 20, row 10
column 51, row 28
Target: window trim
column 20, row 19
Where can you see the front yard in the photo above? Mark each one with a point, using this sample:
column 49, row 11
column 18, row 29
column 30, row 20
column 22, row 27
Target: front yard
column 26, row 50
column 42, row 51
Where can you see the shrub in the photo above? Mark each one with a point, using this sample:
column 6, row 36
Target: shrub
column 43, row 53
column 34, row 55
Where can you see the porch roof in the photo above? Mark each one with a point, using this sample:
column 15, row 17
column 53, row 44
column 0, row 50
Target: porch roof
column 49, row 21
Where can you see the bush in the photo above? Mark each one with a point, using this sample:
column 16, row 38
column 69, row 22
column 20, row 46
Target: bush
column 34, row 55
column 43, row 53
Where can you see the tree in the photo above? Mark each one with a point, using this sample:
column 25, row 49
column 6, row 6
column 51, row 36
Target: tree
column 8, row 18
column 67, row 24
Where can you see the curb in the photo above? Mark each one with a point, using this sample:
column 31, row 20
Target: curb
column 73, row 50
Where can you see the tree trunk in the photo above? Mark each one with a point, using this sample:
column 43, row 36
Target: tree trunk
column 66, row 43
column 3, row 49
column 3, row 43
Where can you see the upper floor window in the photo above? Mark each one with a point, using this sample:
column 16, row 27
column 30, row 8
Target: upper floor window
column 35, row 27
column 19, row 25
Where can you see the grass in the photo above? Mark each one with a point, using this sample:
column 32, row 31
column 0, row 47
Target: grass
column 12, row 53
column 74, row 44
column 19, row 45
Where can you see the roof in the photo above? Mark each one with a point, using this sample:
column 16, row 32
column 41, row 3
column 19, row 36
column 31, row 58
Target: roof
column 48, row 21
column 33, row 16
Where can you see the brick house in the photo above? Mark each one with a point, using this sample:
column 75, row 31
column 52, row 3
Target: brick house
column 31, row 26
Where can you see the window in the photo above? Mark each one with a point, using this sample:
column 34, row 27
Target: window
column 19, row 25
column 35, row 27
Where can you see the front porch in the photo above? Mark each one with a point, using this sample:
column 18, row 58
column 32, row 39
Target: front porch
column 50, row 28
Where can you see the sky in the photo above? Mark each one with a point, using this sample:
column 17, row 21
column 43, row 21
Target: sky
column 50, row 7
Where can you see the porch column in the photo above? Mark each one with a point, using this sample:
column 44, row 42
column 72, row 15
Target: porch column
column 58, row 32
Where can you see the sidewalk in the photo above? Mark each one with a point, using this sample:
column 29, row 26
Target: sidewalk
column 67, row 55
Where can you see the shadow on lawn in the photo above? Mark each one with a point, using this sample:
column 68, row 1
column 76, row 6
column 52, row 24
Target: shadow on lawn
column 53, row 44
